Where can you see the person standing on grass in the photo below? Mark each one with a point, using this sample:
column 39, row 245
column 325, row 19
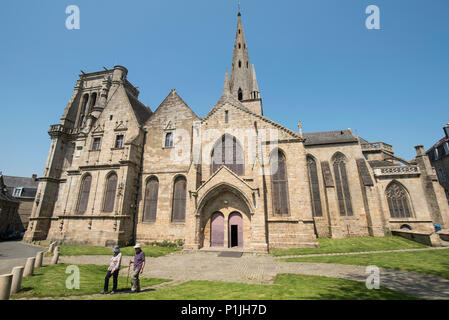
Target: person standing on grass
column 139, row 263
column 113, row 271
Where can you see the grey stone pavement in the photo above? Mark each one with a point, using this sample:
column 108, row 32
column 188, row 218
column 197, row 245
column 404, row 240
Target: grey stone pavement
column 250, row 268
column 15, row 253
column 262, row 269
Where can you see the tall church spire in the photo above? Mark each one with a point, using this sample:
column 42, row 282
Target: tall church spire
column 242, row 81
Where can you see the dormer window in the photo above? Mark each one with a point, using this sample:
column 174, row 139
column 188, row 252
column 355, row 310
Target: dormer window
column 17, row 192
column 169, row 140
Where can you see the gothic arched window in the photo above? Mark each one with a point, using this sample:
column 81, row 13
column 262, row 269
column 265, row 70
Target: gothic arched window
column 151, row 196
column 228, row 152
column 93, row 100
column 84, row 194
column 342, row 184
column 109, row 197
column 179, row 199
column 314, row 187
column 279, row 183
column 240, row 94
column 83, row 110
column 398, row 201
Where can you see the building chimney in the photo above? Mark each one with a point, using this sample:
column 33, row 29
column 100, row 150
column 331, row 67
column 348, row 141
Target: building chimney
column 300, row 128
column 420, row 150
column 34, row 176
column 446, row 130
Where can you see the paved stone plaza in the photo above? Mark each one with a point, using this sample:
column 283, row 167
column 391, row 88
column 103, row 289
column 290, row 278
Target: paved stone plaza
column 15, row 253
column 262, row 269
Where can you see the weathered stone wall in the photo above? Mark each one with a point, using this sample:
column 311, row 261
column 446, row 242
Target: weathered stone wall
column 341, row 226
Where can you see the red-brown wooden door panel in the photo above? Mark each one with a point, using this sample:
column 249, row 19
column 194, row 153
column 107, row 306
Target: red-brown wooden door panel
column 217, row 230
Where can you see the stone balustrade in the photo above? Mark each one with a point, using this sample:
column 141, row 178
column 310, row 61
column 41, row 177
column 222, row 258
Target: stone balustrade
column 377, row 146
column 60, row 129
column 397, row 171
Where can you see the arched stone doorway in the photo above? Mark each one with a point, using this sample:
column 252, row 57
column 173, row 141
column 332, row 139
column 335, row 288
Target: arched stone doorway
column 217, row 230
column 235, row 229
column 220, row 210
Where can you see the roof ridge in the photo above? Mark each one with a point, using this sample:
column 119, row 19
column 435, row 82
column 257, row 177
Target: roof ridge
column 175, row 94
column 219, row 105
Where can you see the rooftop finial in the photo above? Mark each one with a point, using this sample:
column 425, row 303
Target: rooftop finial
column 239, row 9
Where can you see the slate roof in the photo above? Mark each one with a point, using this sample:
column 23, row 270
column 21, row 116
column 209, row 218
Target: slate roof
column 380, row 163
column 439, row 143
column 4, row 193
column 141, row 111
column 329, row 137
column 29, row 185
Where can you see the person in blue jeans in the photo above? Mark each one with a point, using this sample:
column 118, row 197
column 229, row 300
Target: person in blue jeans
column 113, row 270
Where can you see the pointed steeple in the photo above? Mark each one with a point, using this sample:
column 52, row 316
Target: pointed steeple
column 255, row 92
column 242, row 81
column 241, row 78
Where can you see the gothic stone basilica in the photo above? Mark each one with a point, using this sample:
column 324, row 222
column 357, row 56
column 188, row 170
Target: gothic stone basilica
column 119, row 173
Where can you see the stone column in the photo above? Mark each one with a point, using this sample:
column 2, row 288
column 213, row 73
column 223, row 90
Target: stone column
column 5, row 286
column 55, row 258
column 38, row 261
column 51, row 248
column 17, row 273
column 29, row 267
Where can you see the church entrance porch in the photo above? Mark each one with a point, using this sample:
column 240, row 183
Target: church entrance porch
column 225, row 222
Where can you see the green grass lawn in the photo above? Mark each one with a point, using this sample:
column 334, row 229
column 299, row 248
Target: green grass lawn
column 352, row 245
column 434, row 262
column 50, row 281
column 286, row 287
column 150, row 251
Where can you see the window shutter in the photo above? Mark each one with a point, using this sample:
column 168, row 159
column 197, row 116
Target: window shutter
column 84, row 194
column 111, row 187
column 151, row 197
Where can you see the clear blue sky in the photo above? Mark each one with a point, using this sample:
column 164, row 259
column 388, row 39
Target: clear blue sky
column 315, row 62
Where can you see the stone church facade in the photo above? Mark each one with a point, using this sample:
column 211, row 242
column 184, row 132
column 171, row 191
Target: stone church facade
column 118, row 172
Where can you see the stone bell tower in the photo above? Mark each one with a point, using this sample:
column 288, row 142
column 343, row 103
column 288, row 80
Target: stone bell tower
column 242, row 82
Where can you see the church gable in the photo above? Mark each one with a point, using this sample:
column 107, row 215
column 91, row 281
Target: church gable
column 172, row 108
column 241, row 118
column 168, row 135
